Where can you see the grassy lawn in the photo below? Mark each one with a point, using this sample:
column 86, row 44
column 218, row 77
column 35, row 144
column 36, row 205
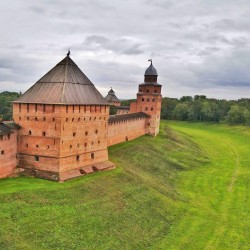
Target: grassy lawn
column 184, row 189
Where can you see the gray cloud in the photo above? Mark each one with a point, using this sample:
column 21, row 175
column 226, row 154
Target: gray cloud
column 120, row 46
column 198, row 47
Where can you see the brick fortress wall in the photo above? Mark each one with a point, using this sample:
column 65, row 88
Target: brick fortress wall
column 8, row 150
column 126, row 130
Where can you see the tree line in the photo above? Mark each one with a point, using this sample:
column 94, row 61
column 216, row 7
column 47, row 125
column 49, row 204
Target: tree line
column 187, row 108
column 6, row 99
column 203, row 109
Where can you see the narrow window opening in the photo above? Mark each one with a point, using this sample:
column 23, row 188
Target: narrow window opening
column 92, row 156
column 77, row 158
column 2, row 152
column 30, row 132
column 44, row 133
column 74, row 134
column 36, row 158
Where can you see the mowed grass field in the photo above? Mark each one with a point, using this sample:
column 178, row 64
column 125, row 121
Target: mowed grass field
column 187, row 188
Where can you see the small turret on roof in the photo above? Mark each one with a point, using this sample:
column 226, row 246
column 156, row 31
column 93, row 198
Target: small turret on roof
column 151, row 70
column 112, row 99
column 64, row 84
column 150, row 76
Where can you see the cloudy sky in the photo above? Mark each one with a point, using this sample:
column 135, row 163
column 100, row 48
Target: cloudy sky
column 197, row 46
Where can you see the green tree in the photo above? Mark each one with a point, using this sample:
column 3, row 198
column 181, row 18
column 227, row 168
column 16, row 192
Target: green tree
column 235, row 115
column 167, row 107
column 247, row 117
column 112, row 110
column 181, row 111
column 186, row 99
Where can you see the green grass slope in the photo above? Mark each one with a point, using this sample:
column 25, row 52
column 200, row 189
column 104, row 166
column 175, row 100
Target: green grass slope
column 184, row 189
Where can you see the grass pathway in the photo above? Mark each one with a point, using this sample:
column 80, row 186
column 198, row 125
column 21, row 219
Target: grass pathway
column 218, row 206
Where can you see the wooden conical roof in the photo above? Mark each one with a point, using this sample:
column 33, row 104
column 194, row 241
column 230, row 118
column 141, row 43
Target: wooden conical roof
column 64, row 84
column 111, row 97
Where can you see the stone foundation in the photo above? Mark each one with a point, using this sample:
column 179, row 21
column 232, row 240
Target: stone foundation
column 66, row 175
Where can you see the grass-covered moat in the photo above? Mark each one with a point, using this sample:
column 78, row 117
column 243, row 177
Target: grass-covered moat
column 185, row 189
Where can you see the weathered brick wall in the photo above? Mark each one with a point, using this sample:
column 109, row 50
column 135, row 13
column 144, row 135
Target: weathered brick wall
column 84, row 137
column 117, row 104
column 60, row 138
column 8, row 150
column 122, row 111
column 126, row 130
column 39, row 135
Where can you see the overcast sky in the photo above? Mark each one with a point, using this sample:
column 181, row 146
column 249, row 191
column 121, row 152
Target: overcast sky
column 197, row 46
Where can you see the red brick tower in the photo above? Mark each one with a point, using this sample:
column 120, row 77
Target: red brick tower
column 63, row 120
column 149, row 100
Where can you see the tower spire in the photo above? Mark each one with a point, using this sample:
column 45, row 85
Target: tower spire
column 68, row 54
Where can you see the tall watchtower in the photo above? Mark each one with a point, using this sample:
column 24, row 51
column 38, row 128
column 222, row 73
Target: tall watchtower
column 149, row 100
column 63, row 120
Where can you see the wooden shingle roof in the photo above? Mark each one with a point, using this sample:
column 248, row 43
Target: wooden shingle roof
column 63, row 84
column 7, row 127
